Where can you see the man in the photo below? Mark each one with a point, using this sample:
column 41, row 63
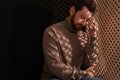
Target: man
column 69, row 45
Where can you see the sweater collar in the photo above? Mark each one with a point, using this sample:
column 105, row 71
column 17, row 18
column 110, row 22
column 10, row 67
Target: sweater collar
column 68, row 26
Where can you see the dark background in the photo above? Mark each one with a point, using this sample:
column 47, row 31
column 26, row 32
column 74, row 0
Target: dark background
column 22, row 23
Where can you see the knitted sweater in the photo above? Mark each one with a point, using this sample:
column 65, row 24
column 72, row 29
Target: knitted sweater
column 67, row 52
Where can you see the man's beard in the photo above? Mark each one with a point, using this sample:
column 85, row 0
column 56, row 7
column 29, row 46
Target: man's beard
column 77, row 27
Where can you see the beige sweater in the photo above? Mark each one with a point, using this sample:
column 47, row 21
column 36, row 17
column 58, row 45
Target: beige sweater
column 67, row 52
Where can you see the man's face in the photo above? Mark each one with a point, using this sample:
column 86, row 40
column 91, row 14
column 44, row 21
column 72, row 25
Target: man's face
column 80, row 18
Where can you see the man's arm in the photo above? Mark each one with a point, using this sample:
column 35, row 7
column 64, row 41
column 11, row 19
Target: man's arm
column 54, row 61
column 91, row 50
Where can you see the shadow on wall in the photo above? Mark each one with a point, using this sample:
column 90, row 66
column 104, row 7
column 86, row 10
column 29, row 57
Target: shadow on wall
column 26, row 44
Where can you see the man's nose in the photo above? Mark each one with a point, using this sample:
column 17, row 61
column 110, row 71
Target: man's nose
column 83, row 22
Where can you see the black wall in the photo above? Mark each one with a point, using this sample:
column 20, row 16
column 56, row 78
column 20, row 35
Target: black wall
column 22, row 23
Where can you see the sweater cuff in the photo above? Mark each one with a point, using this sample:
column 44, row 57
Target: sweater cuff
column 79, row 74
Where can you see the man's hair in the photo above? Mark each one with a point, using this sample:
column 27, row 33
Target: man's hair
column 90, row 4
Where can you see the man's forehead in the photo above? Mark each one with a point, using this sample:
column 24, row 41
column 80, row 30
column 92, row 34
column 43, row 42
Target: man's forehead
column 85, row 13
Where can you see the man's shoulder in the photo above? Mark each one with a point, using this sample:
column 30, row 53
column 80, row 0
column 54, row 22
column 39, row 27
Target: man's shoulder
column 55, row 26
column 53, row 29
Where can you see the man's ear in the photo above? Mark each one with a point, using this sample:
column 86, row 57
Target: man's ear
column 72, row 10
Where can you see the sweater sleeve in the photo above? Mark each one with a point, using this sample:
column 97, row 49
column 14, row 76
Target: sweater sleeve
column 90, row 53
column 54, row 61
